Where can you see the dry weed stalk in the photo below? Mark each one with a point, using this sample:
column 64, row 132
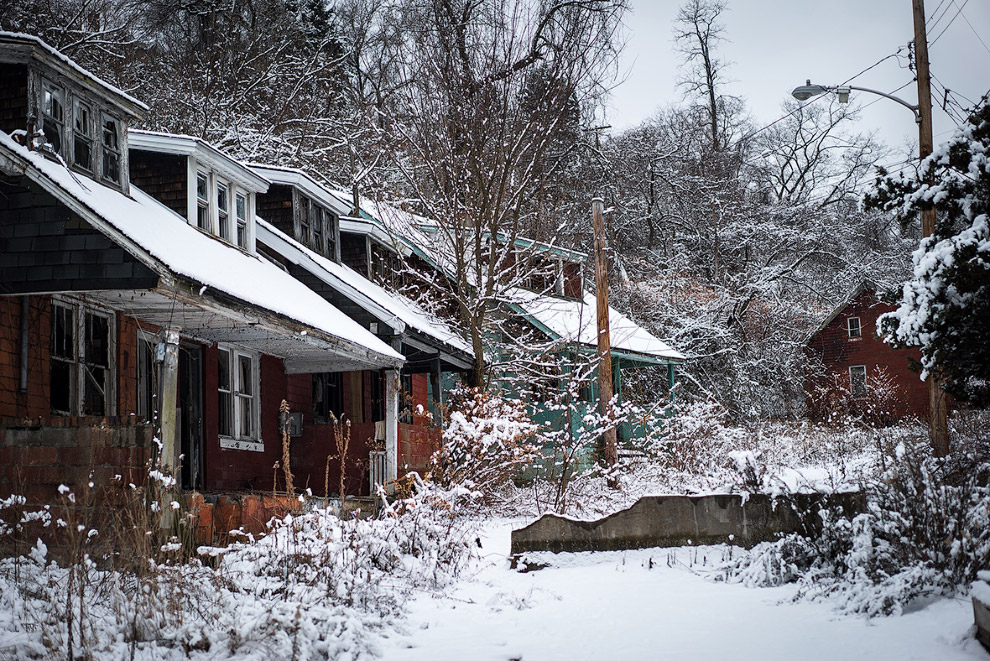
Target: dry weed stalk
column 286, row 468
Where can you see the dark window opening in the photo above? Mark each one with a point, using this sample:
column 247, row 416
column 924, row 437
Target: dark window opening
column 111, row 149
column 327, row 397
column 82, row 150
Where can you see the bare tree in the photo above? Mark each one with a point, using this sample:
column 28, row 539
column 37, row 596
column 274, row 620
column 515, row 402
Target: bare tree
column 489, row 90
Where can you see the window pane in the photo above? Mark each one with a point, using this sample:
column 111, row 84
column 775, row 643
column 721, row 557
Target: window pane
column 201, row 186
column 223, row 209
column 63, row 332
column 242, row 235
column 223, row 414
column 111, row 135
column 60, row 386
column 203, row 218
column 244, row 382
column 241, row 207
column 53, row 134
column 247, row 417
column 53, row 103
column 223, row 371
column 94, row 399
column 222, row 197
column 82, row 153
column 111, row 165
column 97, row 340
column 81, row 124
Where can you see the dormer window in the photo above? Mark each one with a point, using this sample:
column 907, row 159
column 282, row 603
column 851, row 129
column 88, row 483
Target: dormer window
column 111, row 149
column 82, row 136
column 202, row 202
column 223, row 212
column 318, row 229
column 53, row 115
column 240, row 204
column 304, row 220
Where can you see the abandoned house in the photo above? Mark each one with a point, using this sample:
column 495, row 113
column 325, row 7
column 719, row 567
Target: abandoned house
column 856, row 370
column 120, row 313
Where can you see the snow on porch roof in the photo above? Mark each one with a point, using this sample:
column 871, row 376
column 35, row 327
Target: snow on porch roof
column 155, row 230
column 369, row 295
column 577, row 320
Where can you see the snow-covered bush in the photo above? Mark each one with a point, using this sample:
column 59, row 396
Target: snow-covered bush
column 926, row 531
column 315, row 587
column 487, row 440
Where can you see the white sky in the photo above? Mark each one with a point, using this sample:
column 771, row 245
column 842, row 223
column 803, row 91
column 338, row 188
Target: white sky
column 775, row 45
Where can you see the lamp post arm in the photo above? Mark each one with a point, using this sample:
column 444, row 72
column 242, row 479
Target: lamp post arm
column 912, row 108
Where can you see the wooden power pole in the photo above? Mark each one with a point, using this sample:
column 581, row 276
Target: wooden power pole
column 938, row 429
column 610, row 450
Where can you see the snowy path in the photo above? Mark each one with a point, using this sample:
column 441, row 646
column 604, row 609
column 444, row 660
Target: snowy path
column 613, row 606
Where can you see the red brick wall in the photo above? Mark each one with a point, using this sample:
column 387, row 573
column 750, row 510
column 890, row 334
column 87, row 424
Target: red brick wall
column 838, row 352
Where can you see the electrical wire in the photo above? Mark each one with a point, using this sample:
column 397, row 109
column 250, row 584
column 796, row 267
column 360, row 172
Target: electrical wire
column 951, row 21
column 987, row 49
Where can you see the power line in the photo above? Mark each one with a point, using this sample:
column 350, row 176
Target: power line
column 932, row 24
column 951, row 21
column 974, row 31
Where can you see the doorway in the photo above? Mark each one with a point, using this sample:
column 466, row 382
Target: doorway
column 190, row 414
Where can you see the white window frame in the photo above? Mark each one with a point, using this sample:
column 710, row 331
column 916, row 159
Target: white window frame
column 86, row 135
column 59, row 92
column 223, row 211
column 235, row 441
column 858, row 332
column 106, row 149
column 77, row 370
column 852, row 382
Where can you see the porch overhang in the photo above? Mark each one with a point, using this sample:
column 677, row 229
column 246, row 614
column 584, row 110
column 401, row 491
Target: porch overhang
column 207, row 319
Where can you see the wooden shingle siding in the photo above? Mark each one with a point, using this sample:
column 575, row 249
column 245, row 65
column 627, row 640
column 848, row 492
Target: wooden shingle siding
column 354, row 252
column 44, row 247
column 13, row 97
column 163, row 177
column 275, row 206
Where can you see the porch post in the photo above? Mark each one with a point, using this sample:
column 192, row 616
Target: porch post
column 391, row 424
column 435, row 384
column 670, row 382
column 169, row 399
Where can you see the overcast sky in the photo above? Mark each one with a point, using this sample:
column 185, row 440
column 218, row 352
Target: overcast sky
column 774, row 45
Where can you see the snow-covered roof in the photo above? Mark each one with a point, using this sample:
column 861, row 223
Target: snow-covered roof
column 202, row 151
column 577, row 320
column 294, row 177
column 169, row 245
column 39, row 49
column 394, row 310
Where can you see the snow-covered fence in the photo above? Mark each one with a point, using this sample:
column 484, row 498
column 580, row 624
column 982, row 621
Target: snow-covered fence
column 743, row 519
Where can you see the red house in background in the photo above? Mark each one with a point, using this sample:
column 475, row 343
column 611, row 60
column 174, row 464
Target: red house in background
column 859, row 371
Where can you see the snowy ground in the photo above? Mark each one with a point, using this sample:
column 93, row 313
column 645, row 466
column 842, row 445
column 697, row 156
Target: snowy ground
column 616, row 606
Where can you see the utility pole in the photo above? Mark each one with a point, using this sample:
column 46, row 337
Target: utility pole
column 938, row 429
column 610, row 450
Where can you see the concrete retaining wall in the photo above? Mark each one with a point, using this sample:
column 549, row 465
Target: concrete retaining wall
column 679, row 520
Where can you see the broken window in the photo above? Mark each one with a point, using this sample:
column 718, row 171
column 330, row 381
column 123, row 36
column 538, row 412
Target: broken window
column 52, row 114
column 857, row 381
column 111, row 149
column 327, row 397
column 82, row 132
column 81, row 368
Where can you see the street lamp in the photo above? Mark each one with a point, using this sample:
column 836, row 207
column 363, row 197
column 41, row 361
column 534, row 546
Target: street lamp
column 806, row 91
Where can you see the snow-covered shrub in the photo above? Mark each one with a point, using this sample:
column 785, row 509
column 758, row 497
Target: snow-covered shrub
column 831, row 402
column 315, row 587
column 926, row 531
column 487, row 440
